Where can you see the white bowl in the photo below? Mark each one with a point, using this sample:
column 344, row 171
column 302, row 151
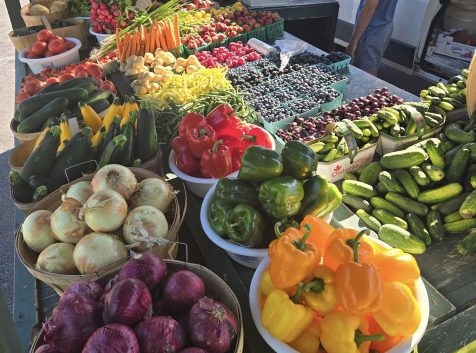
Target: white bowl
column 248, row 257
column 63, row 59
column 99, row 36
column 404, row 346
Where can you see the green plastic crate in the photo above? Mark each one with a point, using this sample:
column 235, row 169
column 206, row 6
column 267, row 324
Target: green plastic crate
column 189, row 52
column 340, row 65
column 339, row 85
column 243, row 37
column 258, row 33
column 275, row 30
column 333, row 104
column 221, row 43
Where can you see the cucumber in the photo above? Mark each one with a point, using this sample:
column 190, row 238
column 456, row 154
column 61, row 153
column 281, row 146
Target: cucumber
column 386, row 217
column 350, row 176
column 357, row 188
column 49, row 88
column 402, row 239
column 381, row 190
column 331, row 155
column 434, row 173
column 437, row 92
column 98, row 95
column 459, row 136
column 372, row 222
column 359, row 170
column 458, row 166
column 436, row 156
column 468, row 208
column 22, row 192
column 390, row 183
column 378, row 202
column 434, row 224
column 73, row 83
column 407, row 204
column 453, row 204
column 358, row 134
column 116, row 144
column 35, row 121
column 408, row 182
column 370, row 173
column 147, row 143
column 452, row 217
column 356, row 202
column 417, row 227
column 403, row 159
column 440, row 194
column 461, row 226
column 466, row 247
column 89, row 87
column 419, row 176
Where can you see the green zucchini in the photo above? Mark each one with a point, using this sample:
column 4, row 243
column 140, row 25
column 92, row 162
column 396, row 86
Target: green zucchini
column 147, row 144
column 417, row 227
column 53, row 120
column 386, row 217
column 402, row 239
column 407, row 204
column 116, row 144
column 40, row 193
column 461, row 226
column 75, row 82
column 372, row 222
column 458, row 166
column 378, row 202
column 127, row 152
column 434, row 224
column 408, row 182
column 358, row 188
column 22, row 192
column 35, row 121
column 452, row 217
column 49, row 88
column 453, row 204
column 440, row 194
column 98, row 95
column 390, row 183
column 35, row 181
column 370, row 173
column 114, row 130
column 356, row 202
column 136, row 163
column 434, row 173
column 468, row 208
column 419, row 176
column 466, row 247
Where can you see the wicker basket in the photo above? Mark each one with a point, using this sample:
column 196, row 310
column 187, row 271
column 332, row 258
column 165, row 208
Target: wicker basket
column 215, row 288
column 60, row 282
column 31, row 21
column 20, row 154
column 27, row 136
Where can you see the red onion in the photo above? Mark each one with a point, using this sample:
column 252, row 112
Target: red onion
column 212, row 326
column 72, row 322
column 193, row 350
column 46, row 348
column 149, row 269
column 87, row 290
column 112, row 338
column 182, row 290
column 128, row 302
column 160, row 334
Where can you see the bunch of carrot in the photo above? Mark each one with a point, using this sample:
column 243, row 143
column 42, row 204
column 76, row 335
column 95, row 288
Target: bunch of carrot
column 164, row 34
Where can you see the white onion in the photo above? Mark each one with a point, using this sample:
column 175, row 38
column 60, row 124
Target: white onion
column 117, row 178
column 80, row 191
column 66, row 223
column 57, row 258
column 143, row 223
column 97, row 250
column 36, row 229
column 105, row 211
column 153, row 192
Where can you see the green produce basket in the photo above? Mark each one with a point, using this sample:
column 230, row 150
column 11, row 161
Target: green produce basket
column 189, row 52
column 313, row 112
column 221, row 43
column 243, row 37
column 258, row 33
column 272, row 127
column 340, row 65
column 339, row 85
column 333, row 104
column 275, row 30
column 179, row 52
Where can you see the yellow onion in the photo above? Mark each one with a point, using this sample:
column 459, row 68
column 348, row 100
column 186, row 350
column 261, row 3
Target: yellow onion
column 142, row 225
column 105, row 211
column 36, row 229
column 66, row 223
column 117, row 178
column 80, row 191
column 153, row 192
column 97, row 250
column 57, row 258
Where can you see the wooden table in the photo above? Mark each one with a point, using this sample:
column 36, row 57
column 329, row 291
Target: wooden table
column 452, row 303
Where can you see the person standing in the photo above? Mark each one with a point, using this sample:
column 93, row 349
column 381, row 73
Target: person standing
column 372, row 33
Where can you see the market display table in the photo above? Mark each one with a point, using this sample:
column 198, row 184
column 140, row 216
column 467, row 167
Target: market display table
column 452, row 319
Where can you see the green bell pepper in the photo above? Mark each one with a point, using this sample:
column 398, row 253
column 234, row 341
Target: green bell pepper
column 259, row 164
column 217, row 217
column 245, row 225
column 299, row 161
column 281, row 197
column 321, row 197
column 231, row 192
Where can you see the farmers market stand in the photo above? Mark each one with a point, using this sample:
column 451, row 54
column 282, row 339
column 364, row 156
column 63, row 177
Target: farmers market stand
column 453, row 309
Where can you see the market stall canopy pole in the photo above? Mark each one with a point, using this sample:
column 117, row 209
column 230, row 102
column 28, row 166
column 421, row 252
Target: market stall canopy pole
column 13, row 8
column 9, row 341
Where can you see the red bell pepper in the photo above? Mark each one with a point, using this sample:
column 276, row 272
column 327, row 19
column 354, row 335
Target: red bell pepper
column 201, row 139
column 216, row 162
column 184, row 158
column 254, row 135
column 236, row 147
column 191, row 121
column 219, row 117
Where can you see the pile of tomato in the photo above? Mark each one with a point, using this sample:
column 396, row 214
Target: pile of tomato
column 48, row 44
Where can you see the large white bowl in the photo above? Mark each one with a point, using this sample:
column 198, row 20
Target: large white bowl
column 405, row 346
column 63, row 59
column 99, row 36
column 249, row 257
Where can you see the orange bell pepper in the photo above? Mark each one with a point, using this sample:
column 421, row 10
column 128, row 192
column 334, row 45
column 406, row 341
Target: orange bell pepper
column 396, row 265
column 292, row 257
column 387, row 343
column 358, row 286
column 339, row 248
column 321, row 232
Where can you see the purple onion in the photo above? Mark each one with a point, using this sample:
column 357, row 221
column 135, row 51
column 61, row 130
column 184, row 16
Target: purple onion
column 160, row 334
column 149, row 269
column 112, row 338
column 212, row 326
column 87, row 290
column 182, row 290
column 46, row 348
column 193, row 350
column 128, row 302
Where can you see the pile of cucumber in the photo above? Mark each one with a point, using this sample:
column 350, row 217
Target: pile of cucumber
column 334, row 145
column 447, row 97
column 416, row 196
column 38, row 112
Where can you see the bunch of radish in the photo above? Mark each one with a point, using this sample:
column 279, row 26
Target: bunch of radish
column 107, row 15
column 47, row 44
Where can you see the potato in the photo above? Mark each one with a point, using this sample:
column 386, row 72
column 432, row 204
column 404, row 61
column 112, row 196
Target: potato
column 191, row 68
column 179, row 69
column 38, row 10
column 58, row 6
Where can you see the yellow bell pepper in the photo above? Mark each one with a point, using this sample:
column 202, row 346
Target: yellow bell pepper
column 308, row 341
column 396, row 265
column 284, row 319
column 344, row 333
column 266, row 285
column 400, row 313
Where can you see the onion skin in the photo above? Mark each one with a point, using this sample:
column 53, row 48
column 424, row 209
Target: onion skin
column 46, row 348
column 144, row 218
column 112, row 338
column 182, row 290
column 115, row 177
column 97, row 250
column 128, row 302
column 80, row 191
column 193, row 350
column 36, row 229
column 88, row 290
column 57, row 258
column 66, row 224
column 153, row 192
column 148, row 268
column 105, row 211
column 212, row 326
column 160, row 334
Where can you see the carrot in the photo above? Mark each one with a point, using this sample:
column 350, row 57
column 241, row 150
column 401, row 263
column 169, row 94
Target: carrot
column 151, row 40
column 141, row 40
column 125, row 47
column 163, row 42
column 128, row 50
column 147, row 40
column 134, row 44
column 176, row 31
column 138, row 43
column 168, row 35
column 119, row 42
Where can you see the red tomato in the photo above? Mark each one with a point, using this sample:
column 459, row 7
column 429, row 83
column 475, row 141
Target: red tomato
column 65, row 77
column 68, row 45
column 56, row 46
column 22, row 96
column 81, row 73
column 80, row 67
column 94, row 70
column 51, row 80
column 44, row 35
column 39, row 48
column 32, row 55
column 32, row 87
column 47, row 54
column 108, row 86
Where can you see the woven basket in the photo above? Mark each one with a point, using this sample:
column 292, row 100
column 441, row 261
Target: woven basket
column 215, row 288
column 31, row 21
column 20, row 136
column 60, row 282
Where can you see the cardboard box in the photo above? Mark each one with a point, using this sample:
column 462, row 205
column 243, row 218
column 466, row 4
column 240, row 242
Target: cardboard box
column 387, row 143
column 445, row 45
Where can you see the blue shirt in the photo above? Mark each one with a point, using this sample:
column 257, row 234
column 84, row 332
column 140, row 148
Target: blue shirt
column 383, row 14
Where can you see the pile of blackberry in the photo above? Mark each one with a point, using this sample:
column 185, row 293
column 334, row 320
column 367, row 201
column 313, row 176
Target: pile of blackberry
column 308, row 58
column 244, row 77
column 336, row 56
column 277, row 114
